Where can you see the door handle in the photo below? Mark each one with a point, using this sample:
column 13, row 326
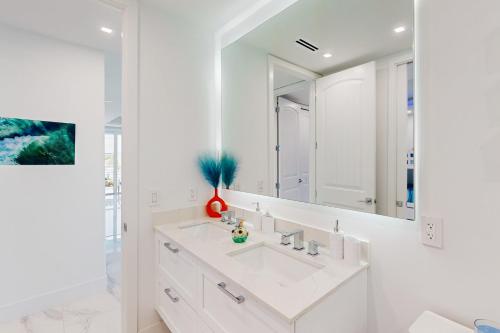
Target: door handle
column 300, row 180
column 172, row 298
column 168, row 246
column 367, row 201
column 238, row 299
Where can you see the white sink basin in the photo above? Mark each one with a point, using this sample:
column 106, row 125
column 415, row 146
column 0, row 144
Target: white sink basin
column 206, row 231
column 283, row 267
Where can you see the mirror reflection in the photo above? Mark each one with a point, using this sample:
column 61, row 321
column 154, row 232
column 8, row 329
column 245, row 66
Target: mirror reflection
column 318, row 105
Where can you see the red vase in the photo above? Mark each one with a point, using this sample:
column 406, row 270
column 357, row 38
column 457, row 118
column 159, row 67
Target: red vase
column 216, row 198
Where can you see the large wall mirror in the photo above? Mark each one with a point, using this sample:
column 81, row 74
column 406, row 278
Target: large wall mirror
column 317, row 105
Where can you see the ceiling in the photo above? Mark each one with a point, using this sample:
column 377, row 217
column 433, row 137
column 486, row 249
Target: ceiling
column 76, row 21
column 353, row 31
column 208, row 13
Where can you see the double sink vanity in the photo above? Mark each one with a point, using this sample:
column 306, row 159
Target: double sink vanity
column 208, row 283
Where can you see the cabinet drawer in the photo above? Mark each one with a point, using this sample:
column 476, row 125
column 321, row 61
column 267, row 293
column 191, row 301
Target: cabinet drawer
column 176, row 312
column 226, row 311
column 179, row 267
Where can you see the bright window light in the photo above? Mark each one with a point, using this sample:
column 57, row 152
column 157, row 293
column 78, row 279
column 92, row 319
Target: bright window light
column 107, row 30
column 400, row 29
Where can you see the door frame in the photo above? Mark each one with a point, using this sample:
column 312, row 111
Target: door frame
column 392, row 123
column 115, row 132
column 130, row 167
column 272, row 122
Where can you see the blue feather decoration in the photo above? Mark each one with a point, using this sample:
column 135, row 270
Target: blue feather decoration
column 229, row 168
column 210, row 168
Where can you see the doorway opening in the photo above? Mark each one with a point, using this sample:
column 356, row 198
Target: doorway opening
column 405, row 160
column 292, row 131
column 113, row 193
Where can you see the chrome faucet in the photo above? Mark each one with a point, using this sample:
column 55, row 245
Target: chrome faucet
column 298, row 239
column 227, row 217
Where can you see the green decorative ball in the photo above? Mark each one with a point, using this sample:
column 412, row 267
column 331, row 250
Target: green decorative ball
column 240, row 235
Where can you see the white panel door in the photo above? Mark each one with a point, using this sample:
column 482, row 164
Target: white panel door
column 345, row 130
column 293, row 156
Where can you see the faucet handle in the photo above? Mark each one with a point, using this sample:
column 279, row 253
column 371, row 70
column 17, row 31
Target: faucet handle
column 285, row 239
column 313, row 248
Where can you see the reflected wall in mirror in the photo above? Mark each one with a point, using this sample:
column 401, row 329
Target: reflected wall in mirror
column 317, row 104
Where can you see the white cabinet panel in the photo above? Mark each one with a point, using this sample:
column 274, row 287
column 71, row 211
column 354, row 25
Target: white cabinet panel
column 224, row 315
column 176, row 312
column 180, row 267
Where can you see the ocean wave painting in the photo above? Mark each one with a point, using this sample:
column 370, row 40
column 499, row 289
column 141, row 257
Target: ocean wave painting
column 35, row 142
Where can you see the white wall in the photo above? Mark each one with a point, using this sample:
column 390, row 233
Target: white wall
column 52, row 217
column 175, row 125
column 245, row 113
column 458, row 125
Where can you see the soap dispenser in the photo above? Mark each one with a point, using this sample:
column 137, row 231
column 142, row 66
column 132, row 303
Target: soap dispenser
column 256, row 220
column 337, row 242
column 268, row 223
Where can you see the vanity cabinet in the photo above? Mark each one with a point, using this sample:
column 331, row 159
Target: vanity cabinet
column 227, row 308
column 192, row 297
column 180, row 268
column 179, row 316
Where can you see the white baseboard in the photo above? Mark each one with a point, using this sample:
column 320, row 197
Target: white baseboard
column 44, row 301
column 158, row 327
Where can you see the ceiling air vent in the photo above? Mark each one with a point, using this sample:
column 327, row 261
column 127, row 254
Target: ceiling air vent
column 307, row 45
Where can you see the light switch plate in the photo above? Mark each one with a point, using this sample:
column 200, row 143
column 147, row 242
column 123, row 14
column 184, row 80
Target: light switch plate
column 154, row 198
column 193, row 194
column 432, row 231
column 260, row 187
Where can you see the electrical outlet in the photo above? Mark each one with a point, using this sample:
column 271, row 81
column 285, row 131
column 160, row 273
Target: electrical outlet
column 432, row 232
column 260, row 187
column 193, row 194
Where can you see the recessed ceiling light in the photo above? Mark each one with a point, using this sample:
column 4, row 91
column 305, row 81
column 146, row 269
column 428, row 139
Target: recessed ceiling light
column 107, row 30
column 400, row 29
column 327, row 55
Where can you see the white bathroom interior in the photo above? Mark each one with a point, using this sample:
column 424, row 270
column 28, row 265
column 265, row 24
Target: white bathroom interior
column 365, row 198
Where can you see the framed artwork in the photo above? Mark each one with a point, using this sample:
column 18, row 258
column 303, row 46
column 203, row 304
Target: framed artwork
column 36, row 142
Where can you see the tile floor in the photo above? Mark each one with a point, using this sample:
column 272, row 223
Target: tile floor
column 96, row 314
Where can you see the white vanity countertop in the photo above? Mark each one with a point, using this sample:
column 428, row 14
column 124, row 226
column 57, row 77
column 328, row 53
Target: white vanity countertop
column 291, row 301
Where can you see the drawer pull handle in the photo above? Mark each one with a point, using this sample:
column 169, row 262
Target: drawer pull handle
column 238, row 299
column 168, row 246
column 172, row 298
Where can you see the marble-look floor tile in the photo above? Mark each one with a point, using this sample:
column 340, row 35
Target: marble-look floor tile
column 103, row 323
column 104, row 302
column 95, row 314
column 84, row 311
column 43, row 322
column 12, row 327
